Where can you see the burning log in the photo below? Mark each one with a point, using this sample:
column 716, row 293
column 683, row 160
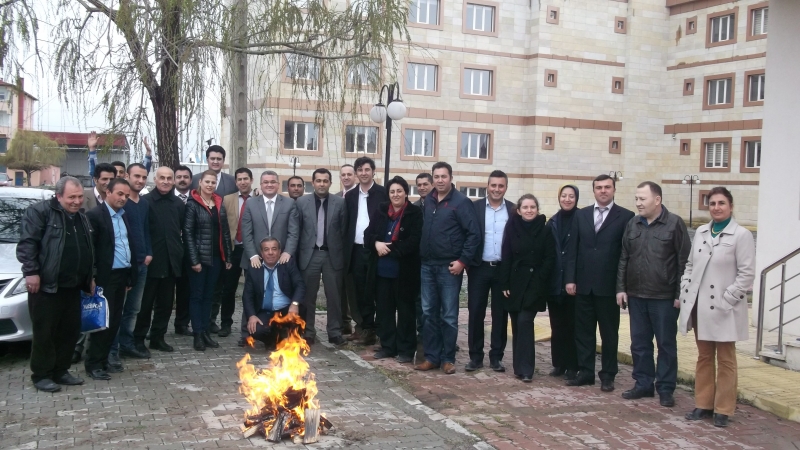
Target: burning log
column 276, row 433
column 312, row 426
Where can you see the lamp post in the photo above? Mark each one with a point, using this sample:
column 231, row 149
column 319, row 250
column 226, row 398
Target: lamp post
column 394, row 109
column 691, row 180
column 616, row 175
column 294, row 163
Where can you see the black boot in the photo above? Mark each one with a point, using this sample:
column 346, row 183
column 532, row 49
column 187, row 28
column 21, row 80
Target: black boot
column 199, row 344
column 208, row 341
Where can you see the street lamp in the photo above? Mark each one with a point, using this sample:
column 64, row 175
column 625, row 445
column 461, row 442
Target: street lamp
column 616, row 175
column 380, row 113
column 691, row 180
column 294, row 163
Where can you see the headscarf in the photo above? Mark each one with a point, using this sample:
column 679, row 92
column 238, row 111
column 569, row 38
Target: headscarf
column 564, row 216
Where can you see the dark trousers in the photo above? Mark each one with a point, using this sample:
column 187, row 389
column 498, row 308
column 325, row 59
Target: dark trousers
column 349, row 302
column 156, row 304
column 592, row 311
column 99, row 342
column 272, row 334
column 654, row 318
column 480, row 282
column 523, row 344
column 225, row 292
column 182, row 291
column 202, row 291
column 56, row 326
column 364, row 298
column 562, row 322
column 396, row 318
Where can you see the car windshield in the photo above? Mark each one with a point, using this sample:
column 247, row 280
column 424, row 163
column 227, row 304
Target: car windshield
column 3, row 177
column 11, row 212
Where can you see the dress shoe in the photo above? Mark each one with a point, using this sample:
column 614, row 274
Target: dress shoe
column 347, row 329
column 208, row 341
column 636, row 393
column 224, row 331
column 570, row 374
column 425, row 366
column 76, row 358
column 518, row 376
column 720, row 420
column 184, row 331
column 133, row 353
column 607, row 385
column 354, row 336
column 47, row 385
column 116, row 368
column 473, row 366
column 241, row 342
column 449, row 368
column 404, row 359
column 582, row 379
column 497, row 366
column 98, row 374
column 114, row 361
column 383, row 354
column 160, row 345
column 68, row 379
column 213, row 328
column 310, row 340
column 338, row 340
column 199, row 343
column 557, row 372
column 667, row 400
column 699, row 414
column 368, row 337
column 527, row 378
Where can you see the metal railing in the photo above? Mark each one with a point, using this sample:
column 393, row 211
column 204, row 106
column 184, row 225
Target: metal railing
column 762, row 302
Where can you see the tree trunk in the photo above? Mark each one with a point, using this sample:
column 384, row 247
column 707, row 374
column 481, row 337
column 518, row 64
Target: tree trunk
column 165, row 102
column 28, row 176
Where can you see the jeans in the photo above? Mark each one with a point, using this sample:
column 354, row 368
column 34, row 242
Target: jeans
column 440, row 291
column 133, row 303
column 649, row 318
column 201, row 293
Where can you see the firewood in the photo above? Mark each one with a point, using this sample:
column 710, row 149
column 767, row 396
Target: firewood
column 252, row 430
column 325, row 422
column 276, row 432
column 311, row 434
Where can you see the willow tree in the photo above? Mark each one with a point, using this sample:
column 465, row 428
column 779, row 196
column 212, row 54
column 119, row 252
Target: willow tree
column 167, row 54
column 32, row 151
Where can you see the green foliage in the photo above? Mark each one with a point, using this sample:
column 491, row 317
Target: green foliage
column 32, row 151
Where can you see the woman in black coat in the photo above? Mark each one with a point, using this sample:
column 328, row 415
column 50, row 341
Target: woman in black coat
column 528, row 255
column 208, row 243
column 393, row 234
column 560, row 305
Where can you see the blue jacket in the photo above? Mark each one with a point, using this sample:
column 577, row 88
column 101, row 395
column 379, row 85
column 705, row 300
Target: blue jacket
column 450, row 229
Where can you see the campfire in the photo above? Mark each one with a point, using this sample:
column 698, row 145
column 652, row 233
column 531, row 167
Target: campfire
column 282, row 395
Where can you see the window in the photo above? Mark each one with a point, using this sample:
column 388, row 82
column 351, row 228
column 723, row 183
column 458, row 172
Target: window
column 752, row 155
column 480, row 18
column 419, row 142
column 686, row 147
column 475, row 145
column 615, row 145
column 702, row 203
column 3, row 145
column 473, row 192
column 723, row 28
column 719, row 91
column 300, row 136
column 617, row 85
column 365, row 72
column 308, row 187
column 414, row 192
column 756, row 83
column 301, row 67
column 688, row 86
column 361, row 139
column 553, row 15
column 425, row 12
column 422, row 77
column 717, row 155
column 5, row 119
column 548, row 141
column 620, row 25
column 4, row 94
column 759, row 17
column 477, row 82
column 691, row 25
column 551, row 78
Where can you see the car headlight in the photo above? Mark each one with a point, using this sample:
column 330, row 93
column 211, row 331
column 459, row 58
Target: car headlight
column 19, row 288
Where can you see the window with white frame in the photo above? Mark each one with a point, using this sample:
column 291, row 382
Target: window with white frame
column 308, row 187
column 475, row 145
column 302, row 67
column 422, row 77
column 717, row 155
column 5, row 119
column 365, row 72
column 359, row 139
column 752, row 155
column 473, row 192
column 424, row 12
column 478, row 82
column 719, row 91
column 723, row 28
column 4, row 94
column 480, row 18
column 300, row 136
column 414, row 192
column 419, row 142
column 756, row 87
column 705, row 200
column 760, row 18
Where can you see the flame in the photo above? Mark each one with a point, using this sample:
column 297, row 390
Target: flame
column 250, row 341
column 287, row 372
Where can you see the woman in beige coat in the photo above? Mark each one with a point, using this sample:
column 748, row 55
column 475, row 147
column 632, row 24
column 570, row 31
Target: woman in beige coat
column 720, row 270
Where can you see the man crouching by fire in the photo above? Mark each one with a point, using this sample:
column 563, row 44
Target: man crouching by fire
column 272, row 288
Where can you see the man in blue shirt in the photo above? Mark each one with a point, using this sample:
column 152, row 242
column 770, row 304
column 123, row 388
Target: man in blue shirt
column 269, row 289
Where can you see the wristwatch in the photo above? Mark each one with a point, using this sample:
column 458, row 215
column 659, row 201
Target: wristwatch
column 296, row 304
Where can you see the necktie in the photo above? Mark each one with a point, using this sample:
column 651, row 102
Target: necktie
column 269, row 214
column 599, row 222
column 321, row 224
column 183, row 197
column 241, row 213
column 269, row 290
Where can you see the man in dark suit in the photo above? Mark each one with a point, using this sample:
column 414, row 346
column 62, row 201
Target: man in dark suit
column 347, row 178
column 591, row 273
column 226, row 184
column 362, row 202
column 116, row 270
column 322, row 221
column 269, row 289
column 492, row 213
column 183, row 184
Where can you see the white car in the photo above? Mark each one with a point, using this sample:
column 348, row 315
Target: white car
column 15, row 322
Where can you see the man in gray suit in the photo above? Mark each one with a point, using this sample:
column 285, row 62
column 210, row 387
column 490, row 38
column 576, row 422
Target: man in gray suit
column 267, row 215
column 322, row 221
column 103, row 174
column 226, row 184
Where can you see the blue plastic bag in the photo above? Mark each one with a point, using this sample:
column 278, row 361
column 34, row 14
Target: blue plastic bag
column 94, row 311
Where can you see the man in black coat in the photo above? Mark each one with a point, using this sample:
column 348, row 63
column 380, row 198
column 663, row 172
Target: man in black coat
column 591, row 273
column 116, row 270
column 362, row 202
column 272, row 288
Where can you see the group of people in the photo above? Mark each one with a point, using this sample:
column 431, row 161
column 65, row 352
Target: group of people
column 392, row 268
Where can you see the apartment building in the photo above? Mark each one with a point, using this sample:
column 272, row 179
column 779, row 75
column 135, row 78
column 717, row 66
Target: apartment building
column 16, row 113
column 554, row 92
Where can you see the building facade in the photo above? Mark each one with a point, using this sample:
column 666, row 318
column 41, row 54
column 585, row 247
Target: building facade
column 554, row 92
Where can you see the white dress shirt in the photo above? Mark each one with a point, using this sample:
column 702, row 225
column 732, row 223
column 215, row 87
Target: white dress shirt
column 605, row 214
column 363, row 214
column 178, row 194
